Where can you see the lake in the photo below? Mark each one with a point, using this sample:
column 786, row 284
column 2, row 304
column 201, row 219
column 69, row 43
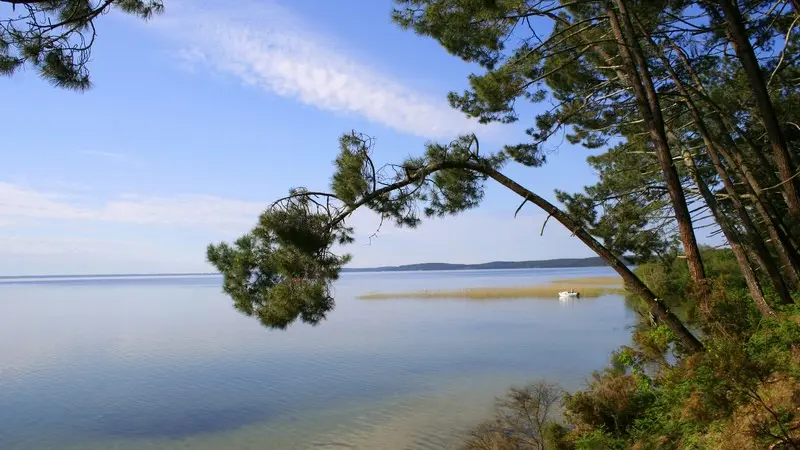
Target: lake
column 167, row 363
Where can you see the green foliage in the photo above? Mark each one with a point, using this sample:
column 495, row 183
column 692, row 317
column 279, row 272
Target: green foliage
column 598, row 440
column 282, row 269
column 776, row 343
column 613, row 402
column 56, row 36
column 627, row 208
column 351, row 181
column 665, row 280
column 522, row 65
column 669, row 277
column 747, row 379
column 471, row 29
column 750, row 385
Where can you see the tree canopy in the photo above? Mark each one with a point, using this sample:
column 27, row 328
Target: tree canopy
column 56, row 36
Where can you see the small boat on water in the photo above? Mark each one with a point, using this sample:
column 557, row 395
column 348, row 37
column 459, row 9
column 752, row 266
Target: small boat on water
column 569, row 294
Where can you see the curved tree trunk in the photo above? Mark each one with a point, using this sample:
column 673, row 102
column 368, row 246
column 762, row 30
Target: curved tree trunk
column 658, row 309
column 632, row 282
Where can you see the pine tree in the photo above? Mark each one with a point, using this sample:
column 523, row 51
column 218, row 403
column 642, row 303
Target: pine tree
column 56, row 36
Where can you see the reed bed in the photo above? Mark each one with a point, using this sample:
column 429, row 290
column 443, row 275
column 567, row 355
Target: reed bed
column 587, row 287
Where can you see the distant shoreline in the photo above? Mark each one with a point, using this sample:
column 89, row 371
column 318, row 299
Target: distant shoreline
column 561, row 263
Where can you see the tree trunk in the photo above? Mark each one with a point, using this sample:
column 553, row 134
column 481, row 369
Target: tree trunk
column 632, row 282
column 758, row 245
column 657, row 307
column 785, row 246
column 747, row 57
column 753, row 286
column 650, row 110
column 780, row 241
column 759, row 248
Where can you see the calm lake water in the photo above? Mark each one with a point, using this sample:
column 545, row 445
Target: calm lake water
column 169, row 364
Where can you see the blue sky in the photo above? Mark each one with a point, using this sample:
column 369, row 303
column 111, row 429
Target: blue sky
column 200, row 117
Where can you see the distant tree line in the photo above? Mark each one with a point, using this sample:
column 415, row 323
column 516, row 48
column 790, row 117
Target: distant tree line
column 541, row 264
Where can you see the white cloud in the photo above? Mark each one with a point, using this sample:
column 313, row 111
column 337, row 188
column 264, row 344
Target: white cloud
column 266, row 46
column 20, row 205
column 195, row 211
column 19, row 202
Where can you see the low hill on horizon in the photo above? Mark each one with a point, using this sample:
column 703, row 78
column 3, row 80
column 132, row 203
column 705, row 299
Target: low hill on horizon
column 594, row 261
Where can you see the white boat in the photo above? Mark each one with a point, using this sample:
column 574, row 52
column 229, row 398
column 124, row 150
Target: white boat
column 568, row 294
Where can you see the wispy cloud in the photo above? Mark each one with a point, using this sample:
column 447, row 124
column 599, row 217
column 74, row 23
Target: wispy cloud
column 194, row 211
column 115, row 157
column 266, row 46
column 21, row 205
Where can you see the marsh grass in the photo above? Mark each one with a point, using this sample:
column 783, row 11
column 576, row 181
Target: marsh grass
column 588, row 287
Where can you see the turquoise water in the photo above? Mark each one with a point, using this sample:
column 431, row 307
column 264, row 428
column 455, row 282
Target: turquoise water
column 167, row 363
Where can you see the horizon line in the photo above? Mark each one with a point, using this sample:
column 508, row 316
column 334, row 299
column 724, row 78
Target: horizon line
column 167, row 274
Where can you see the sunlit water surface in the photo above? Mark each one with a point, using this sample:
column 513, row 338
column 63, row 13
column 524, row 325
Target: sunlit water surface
column 169, row 364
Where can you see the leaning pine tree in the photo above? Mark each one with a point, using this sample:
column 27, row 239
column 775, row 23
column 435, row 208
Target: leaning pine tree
column 282, row 270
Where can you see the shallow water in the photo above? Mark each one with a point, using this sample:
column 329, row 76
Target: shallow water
column 168, row 364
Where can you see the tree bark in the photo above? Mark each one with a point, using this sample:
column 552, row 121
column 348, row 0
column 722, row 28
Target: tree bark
column 650, row 110
column 747, row 57
column 753, row 286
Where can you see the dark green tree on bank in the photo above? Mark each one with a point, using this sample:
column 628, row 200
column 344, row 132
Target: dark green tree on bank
column 56, row 36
